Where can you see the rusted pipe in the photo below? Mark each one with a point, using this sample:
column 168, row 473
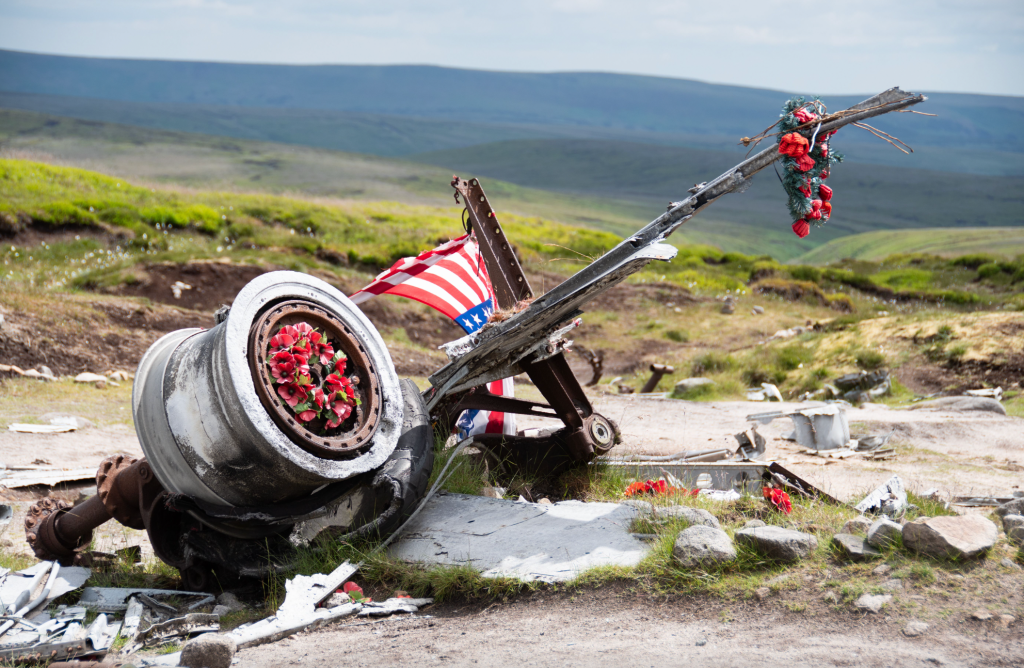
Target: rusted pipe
column 56, row 530
column 657, row 371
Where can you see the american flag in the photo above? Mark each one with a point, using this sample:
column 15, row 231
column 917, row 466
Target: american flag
column 452, row 279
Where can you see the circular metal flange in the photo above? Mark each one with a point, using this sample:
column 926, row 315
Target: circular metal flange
column 356, row 432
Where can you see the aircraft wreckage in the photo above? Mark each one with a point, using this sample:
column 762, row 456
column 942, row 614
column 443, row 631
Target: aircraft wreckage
column 231, row 482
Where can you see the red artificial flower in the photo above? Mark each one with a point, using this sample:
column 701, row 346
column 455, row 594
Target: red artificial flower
column 321, row 348
column 806, row 190
column 781, row 501
column 826, row 209
column 636, row 489
column 824, row 191
column 823, row 175
column 281, row 341
column 794, row 145
column 805, row 163
column 282, row 366
column 815, row 204
column 319, row 398
column 292, row 393
column 306, row 416
column 301, row 347
column 801, row 228
column 824, row 149
column 304, row 329
column 805, row 115
column 815, row 214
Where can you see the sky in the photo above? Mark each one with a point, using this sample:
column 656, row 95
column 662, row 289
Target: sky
column 819, row 47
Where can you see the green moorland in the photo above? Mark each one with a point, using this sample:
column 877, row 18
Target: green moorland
column 69, row 234
column 945, row 242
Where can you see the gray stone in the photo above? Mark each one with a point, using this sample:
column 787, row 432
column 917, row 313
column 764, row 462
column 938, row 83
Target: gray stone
column 1006, row 620
column 961, row 404
column 728, row 308
column 688, row 384
column 761, row 593
column 221, row 610
column 882, row 569
column 1015, row 536
column 694, row 516
column 1012, row 522
column 210, row 650
column 856, row 526
column 981, row 615
column 642, row 507
column 892, row 585
column 1010, row 563
column 951, row 537
column 701, row 545
column 753, row 524
column 46, row 371
column 884, row 533
column 830, row 597
column 702, row 642
column 1015, row 507
column 230, row 601
column 854, row 548
column 872, row 602
column 758, row 310
column 914, row 629
column 778, row 543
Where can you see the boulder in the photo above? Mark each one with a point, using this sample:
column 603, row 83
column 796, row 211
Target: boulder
column 961, row 404
column 1015, row 536
column 778, row 543
column 210, row 650
column 914, row 629
column 753, row 524
column 854, row 548
column 701, row 545
column 695, row 516
column 872, row 602
column 1015, row 507
column 858, row 525
column 230, row 601
column 1006, row 562
column 951, row 537
column 883, row 533
column 1012, row 522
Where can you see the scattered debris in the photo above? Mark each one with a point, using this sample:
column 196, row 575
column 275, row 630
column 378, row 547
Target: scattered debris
column 951, row 537
column 861, row 387
column 821, row 427
column 115, row 599
column 88, row 377
column 550, row 543
column 750, row 451
column 177, row 287
column 767, row 391
column 691, row 474
column 981, row 501
column 889, row 499
column 170, row 630
column 991, row 393
column 780, row 476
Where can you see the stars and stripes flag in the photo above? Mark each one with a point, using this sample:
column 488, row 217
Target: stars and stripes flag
column 452, row 279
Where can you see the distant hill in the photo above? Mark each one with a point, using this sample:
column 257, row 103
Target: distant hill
column 982, row 134
column 875, row 246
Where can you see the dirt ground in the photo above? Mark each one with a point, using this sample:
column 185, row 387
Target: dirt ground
column 614, row 627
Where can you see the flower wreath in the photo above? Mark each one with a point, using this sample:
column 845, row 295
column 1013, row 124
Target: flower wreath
column 807, row 160
column 292, row 351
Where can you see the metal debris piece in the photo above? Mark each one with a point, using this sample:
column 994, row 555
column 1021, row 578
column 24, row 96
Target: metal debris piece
column 25, row 428
column 115, row 599
column 102, row 633
column 657, row 372
column 991, row 393
column 47, row 652
column 531, row 542
column 781, row 476
column 889, row 499
column 181, row 627
column 737, row 476
column 821, row 427
column 48, row 477
column 869, row 443
column 750, row 451
column 6, row 515
column 766, row 391
column 304, row 592
column 860, row 387
column 391, row 606
column 981, row 501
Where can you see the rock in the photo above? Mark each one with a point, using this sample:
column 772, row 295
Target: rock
column 914, row 629
column 778, row 543
column 961, row 404
column 1015, row 507
column 884, row 533
column 230, row 601
column 66, row 418
column 87, row 377
column 728, row 308
column 753, row 524
column 1012, row 522
column 221, row 610
column 951, row 537
column 695, row 516
column 981, row 615
column 872, row 602
column 1006, row 620
column 758, row 310
column 336, row 599
column 688, row 384
column 210, row 650
column 856, row 526
column 494, row 492
column 777, row 580
column 642, row 507
column 544, row 501
column 854, row 548
column 1011, row 564
column 118, row 375
column 892, row 585
column 761, row 593
column 1016, row 536
column 702, row 642
column 701, row 545
column 47, row 371
column 830, row 597
column 882, row 569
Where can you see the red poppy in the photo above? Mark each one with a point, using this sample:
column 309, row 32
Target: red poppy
column 826, row 209
column 815, row 214
column 778, row 499
column 292, row 393
column 282, row 367
column 321, row 348
column 304, row 329
column 801, row 228
column 305, row 416
column 794, row 145
column 804, row 163
column 281, row 341
column 824, row 192
column 805, row 115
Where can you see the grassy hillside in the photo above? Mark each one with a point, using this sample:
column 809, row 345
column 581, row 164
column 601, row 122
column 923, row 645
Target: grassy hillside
column 997, row 241
column 982, row 132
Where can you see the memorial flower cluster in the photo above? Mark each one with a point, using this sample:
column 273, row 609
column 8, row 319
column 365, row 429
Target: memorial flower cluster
column 778, row 499
column 293, row 350
column 807, row 160
column 654, row 487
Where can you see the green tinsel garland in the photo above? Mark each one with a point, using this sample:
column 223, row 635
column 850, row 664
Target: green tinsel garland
column 804, row 186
